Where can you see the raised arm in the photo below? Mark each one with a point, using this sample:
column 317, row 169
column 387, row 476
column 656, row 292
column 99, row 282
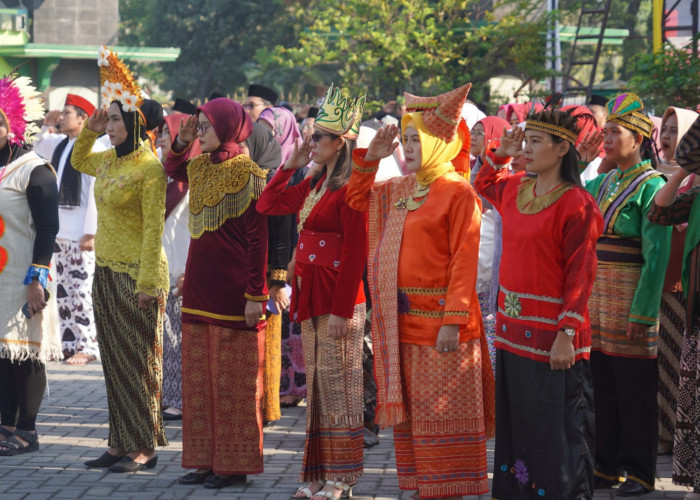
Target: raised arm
column 688, row 150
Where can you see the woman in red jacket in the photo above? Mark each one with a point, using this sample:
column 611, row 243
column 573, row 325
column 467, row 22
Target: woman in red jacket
column 328, row 298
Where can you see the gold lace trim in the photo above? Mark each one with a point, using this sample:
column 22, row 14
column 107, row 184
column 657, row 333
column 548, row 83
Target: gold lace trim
column 529, row 203
column 423, row 291
column 221, row 191
column 363, row 170
column 309, row 203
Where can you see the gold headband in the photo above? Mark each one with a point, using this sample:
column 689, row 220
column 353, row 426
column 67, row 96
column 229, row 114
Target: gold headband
column 635, row 121
column 549, row 128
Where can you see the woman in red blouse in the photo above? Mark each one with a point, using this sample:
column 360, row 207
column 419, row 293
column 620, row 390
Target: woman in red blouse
column 328, row 298
column 544, row 390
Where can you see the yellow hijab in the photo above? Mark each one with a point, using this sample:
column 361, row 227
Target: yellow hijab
column 436, row 154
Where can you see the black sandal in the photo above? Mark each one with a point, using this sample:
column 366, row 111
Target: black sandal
column 16, row 447
column 5, row 433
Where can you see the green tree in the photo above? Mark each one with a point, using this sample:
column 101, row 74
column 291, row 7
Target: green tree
column 669, row 78
column 217, row 39
column 384, row 48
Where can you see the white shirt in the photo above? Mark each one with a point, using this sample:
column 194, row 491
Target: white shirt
column 74, row 222
column 176, row 238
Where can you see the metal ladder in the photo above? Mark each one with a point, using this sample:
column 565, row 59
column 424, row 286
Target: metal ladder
column 595, row 12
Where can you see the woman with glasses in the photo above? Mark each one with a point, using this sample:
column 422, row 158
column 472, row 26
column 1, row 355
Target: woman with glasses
column 328, row 297
column 223, row 327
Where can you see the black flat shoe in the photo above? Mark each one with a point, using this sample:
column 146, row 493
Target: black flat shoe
column 601, row 483
column 194, row 478
column 106, row 460
column 632, row 489
column 128, row 464
column 216, row 481
column 172, row 416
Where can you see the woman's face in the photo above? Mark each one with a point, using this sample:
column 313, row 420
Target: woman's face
column 207, row 137
column 478, row 135
column 164, row 141
column 116, row 130
column 325, row 147
column 307, row 127
column 619, row 143
column 669, row 137
column 541, row 153
column 412, row 149
column 4, row 130
column 514, row 120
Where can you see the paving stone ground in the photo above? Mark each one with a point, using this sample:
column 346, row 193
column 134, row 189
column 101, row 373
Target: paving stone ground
column 73, row 428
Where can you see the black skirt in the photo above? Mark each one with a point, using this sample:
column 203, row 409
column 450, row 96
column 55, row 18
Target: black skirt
column 545, row 430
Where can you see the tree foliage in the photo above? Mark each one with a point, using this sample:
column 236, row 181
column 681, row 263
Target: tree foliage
column 384, row 48
column 668, row 78
column 217, row 39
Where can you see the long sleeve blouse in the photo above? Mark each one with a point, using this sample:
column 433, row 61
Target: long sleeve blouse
column 548, row 265
column 630, row 220
column 130, row 198
column 228, row 247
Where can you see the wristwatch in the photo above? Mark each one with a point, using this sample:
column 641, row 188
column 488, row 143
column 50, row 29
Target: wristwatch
column 570, row 332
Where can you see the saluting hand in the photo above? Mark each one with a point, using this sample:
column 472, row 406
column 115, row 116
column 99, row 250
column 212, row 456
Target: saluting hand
column 98, row 121
column 588, row 147
column 511, row 142
column 383, row 143
column 300, row 156
column 188, row 129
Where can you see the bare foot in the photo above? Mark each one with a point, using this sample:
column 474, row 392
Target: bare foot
column 171, row 410
column 80, row 358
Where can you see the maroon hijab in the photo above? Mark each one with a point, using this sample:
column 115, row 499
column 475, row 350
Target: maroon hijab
column 231, row 125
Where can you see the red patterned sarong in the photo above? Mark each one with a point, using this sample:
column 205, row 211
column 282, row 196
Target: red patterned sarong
column 222, row 388
column 441, row 448
column 335, row 407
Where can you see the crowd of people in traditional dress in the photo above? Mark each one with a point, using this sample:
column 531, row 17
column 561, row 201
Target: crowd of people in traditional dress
column 531, row 276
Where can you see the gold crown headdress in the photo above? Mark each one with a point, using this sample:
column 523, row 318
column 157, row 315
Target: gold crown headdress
column 339, row 115
column 118, row 82
column 624, row 110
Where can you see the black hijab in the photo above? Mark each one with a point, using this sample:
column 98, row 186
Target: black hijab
column 135, row 128
column 265, row 151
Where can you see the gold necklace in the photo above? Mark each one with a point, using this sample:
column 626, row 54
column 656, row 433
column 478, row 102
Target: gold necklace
column 309, row 204
column 419, row 196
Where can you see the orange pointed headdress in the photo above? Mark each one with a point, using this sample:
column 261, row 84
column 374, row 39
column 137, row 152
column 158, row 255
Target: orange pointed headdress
column 441, row 114
column 118, row 82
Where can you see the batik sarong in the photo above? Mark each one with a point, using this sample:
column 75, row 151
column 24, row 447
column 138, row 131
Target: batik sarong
column 334, row 406
column 222, row 390
column 441, row 448
column 131, row 349
column 273, row 368
column 75, row 270
column 172, row 352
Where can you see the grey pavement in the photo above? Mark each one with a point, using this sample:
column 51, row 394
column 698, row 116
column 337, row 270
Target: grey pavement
column 73, row 428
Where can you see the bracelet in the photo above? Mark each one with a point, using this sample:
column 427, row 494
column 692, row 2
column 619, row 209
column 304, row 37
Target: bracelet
column 38, row 273
column 181, row 142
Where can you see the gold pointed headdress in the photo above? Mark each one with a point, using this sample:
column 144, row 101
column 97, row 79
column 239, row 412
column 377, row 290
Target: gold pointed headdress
column 117, row 82
column 339, row 115
column 625, row 110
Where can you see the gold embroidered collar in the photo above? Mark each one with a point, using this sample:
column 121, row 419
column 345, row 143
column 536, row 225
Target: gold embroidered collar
column 529, row 203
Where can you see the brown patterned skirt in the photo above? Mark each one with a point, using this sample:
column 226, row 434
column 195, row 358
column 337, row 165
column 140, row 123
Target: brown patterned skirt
column 222, row 391
column 273, row 368
column 334, row 404
column 131, row 348
column 671, row 327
